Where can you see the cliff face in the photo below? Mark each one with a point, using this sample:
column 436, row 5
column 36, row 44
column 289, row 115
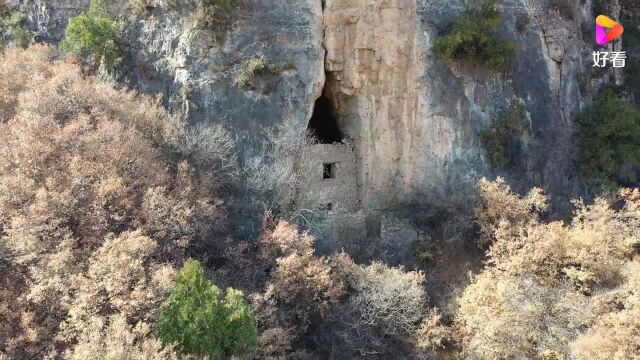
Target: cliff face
column 48, row 18
column 414, row 118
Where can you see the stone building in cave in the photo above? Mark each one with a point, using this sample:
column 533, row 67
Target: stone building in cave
column 329, row 166
column 329, row 170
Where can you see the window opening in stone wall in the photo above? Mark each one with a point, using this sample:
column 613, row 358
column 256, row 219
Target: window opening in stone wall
column 328, row 171
column 323, row 124
column 327, row 207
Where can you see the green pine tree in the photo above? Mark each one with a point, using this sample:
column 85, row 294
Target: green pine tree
column 94, row 33
column 199, row 321
column 473, row 37
column 609, row 134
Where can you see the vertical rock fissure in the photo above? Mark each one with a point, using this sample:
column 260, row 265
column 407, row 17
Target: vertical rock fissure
column 324, row 119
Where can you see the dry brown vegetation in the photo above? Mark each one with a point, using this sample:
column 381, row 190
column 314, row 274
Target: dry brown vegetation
column 333, row 304
column 555, row 290
column 98, row 204
column 103, row 194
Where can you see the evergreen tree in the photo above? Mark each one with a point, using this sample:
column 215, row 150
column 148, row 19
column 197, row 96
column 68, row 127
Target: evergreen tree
column 609, row 141
column 473, row 37
column 200, row 321
column 94, row 34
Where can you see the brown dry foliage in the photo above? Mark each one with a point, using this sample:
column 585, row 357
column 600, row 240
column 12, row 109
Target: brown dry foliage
column 281, row 239
column 351, row 309
column 500, row 205
column 277, row 344
column 302, row 281
column 555, row 290
column 98, row 202
column 432, row 334
column 389, row 298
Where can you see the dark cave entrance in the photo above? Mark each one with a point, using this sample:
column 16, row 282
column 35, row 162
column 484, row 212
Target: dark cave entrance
column 323, row 124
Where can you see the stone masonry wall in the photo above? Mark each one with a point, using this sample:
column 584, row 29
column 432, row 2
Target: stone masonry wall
column 341, row 191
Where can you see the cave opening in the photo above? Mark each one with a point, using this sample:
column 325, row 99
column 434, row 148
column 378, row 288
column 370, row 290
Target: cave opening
column 323, row 124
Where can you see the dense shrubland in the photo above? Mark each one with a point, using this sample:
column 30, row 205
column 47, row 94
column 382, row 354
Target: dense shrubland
column 99, row 205
column 333, row 305
column 104, row 196
column 554, row 290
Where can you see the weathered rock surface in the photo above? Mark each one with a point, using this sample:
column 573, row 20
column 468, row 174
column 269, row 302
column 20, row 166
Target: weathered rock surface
column 413, row 118
column 48, row 17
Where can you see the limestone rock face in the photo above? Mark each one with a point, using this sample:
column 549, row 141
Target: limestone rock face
column 199, row 76
column 50, row 17
column 374, row 64
column 413, row 118
column 169, row 54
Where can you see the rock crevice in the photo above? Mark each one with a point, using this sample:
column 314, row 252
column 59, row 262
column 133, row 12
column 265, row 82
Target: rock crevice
column 413, row 118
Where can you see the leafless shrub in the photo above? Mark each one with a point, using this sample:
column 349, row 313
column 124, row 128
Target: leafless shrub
column 389, row 298
column 97, row 192
column 432, row 334
column 301, row 281
column 210, row 149
column 275, row 177
column 554, row 290
column 500, row 204
column 284, row 239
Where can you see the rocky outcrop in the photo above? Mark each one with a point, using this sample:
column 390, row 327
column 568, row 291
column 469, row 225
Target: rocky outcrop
column 169, row 54
column 414, row 119
column 374, row 64
column 172, row 56
column 49, row 18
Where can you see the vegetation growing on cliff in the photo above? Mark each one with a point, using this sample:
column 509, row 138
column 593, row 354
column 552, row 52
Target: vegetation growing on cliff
column 218, row 15
column 474, row 38
column 15, row 26
column 95, row 35
column 609, row 135
column 500, row 140
column 248, row 70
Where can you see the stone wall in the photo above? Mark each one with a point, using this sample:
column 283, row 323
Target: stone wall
column 397, row 239
column 340, row 191
column 344, row 231
column 394, row 230
column 393, row 242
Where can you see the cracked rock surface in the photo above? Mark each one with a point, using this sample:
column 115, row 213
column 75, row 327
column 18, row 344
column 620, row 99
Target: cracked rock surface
column 414, row 119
